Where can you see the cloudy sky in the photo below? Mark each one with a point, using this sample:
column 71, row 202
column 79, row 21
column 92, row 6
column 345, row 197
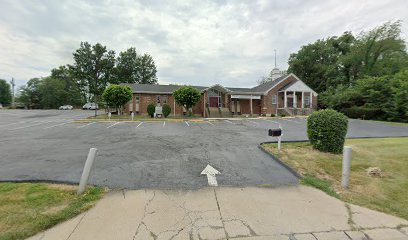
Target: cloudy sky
column 192, row 42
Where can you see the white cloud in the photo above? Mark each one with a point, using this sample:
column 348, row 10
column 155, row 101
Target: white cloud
column 193, row 42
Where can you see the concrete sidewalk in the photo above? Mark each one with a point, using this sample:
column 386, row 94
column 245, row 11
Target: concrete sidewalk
column 294, row 213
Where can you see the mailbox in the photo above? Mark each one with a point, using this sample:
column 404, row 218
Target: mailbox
column 275, row 132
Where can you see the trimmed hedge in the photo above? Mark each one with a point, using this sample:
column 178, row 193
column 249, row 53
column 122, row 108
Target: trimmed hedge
column 151, row 109
column 327, row 130
column 166, row 110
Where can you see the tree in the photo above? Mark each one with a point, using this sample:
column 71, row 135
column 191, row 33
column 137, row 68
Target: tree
column 94, row 66
column 117, row 95
column 317, row 63
column 146, row 70
column 5, row 92
column 127, row 66
column 74, row 96
column 378, row 52
column 30, row 94
column 187, row 96
column 52, row 92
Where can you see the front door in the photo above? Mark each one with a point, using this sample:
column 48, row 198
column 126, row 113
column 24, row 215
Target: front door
column 213, row 101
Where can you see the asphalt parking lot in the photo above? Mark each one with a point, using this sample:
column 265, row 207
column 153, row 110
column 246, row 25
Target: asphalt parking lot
column 48, row 145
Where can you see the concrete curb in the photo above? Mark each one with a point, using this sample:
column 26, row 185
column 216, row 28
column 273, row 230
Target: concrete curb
column 279, row 161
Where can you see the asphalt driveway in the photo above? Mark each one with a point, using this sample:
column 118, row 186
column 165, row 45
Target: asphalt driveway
column 47, row 145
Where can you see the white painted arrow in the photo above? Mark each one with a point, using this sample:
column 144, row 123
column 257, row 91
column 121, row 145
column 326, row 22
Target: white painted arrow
column 211, row 172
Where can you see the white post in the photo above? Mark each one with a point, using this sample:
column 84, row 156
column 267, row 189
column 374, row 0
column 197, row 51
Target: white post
column 133, row 115
column 346, row 166
column 294, row 100
column 87, row 169
column 279, row 143
column 303, row 100
column 109, row 115
column 174, row 108
column 285, row 101
column 251, row 105
column 204, row 108
column 311, row 100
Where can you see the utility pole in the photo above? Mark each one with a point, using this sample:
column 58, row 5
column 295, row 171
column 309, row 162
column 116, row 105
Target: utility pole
column 12, row 94
column 275, row 56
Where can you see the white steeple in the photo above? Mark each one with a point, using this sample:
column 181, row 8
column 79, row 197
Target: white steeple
column 275, row 73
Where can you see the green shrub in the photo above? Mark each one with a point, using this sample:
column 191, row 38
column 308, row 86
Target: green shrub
column 166, row 110
column 272, row 115
column 151, row 109
column 283, row 115
column 362, row 112
column 327, row 130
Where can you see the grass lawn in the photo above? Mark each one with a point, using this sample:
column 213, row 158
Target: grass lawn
column 29, row 208
column 388, row 193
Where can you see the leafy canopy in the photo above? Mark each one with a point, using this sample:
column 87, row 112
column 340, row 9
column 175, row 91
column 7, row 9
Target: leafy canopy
column 5, row 92
column 117, row 95
column 187, row 96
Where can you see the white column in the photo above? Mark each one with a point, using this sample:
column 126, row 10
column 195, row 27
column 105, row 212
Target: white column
column 204, row 108
column 294, row 100
column 251, row 104
column 311, row 100
column 285, row 100
column 303, row 100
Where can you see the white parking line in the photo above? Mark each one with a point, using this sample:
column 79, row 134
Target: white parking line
column 56, row 125
column 164, row 124
column 253, row 122
column 86, row 125
column 228, row 121
column 187, row 123
column 116, row 123
column 32, row 125
column 139, row 124
column 272, row 121
column 209, row 122
column 290, row 121
column 5, row 125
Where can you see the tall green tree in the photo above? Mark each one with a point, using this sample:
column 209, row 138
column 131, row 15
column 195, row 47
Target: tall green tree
column 5, row 92
column 93, row 66
column 30, row 94
column 380, row 51
column 317, row 63
column 146, row 70
column 53, row 93
column 127, row 66
column 74, row 95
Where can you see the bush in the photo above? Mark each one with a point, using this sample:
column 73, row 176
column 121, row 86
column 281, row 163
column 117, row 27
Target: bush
column 151, row 109
column 327, row 130
column 283, row 115
column 166, row 110
column 272, row 115
column 362, row 112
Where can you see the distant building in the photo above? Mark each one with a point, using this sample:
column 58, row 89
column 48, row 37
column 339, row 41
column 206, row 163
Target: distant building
column 284, row 94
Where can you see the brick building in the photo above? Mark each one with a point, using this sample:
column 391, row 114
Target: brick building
column 284, row 95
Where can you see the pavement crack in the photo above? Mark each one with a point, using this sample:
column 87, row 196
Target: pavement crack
column 219, row 211
column 145, row 213
column 350, row 220
column 76, row 226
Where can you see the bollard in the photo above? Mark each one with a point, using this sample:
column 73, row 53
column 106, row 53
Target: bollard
column 109, row 115
column 132, row 115
column 346, row 166
column 87, row 169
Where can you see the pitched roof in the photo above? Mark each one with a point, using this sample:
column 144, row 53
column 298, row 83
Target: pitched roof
column 155, row 88
column 268, row 85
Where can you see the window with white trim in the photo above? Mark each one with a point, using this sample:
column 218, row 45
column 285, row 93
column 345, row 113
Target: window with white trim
column 274, row 99
column 307, row 101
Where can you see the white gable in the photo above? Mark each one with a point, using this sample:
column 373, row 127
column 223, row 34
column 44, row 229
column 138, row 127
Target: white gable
column 300, row 86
